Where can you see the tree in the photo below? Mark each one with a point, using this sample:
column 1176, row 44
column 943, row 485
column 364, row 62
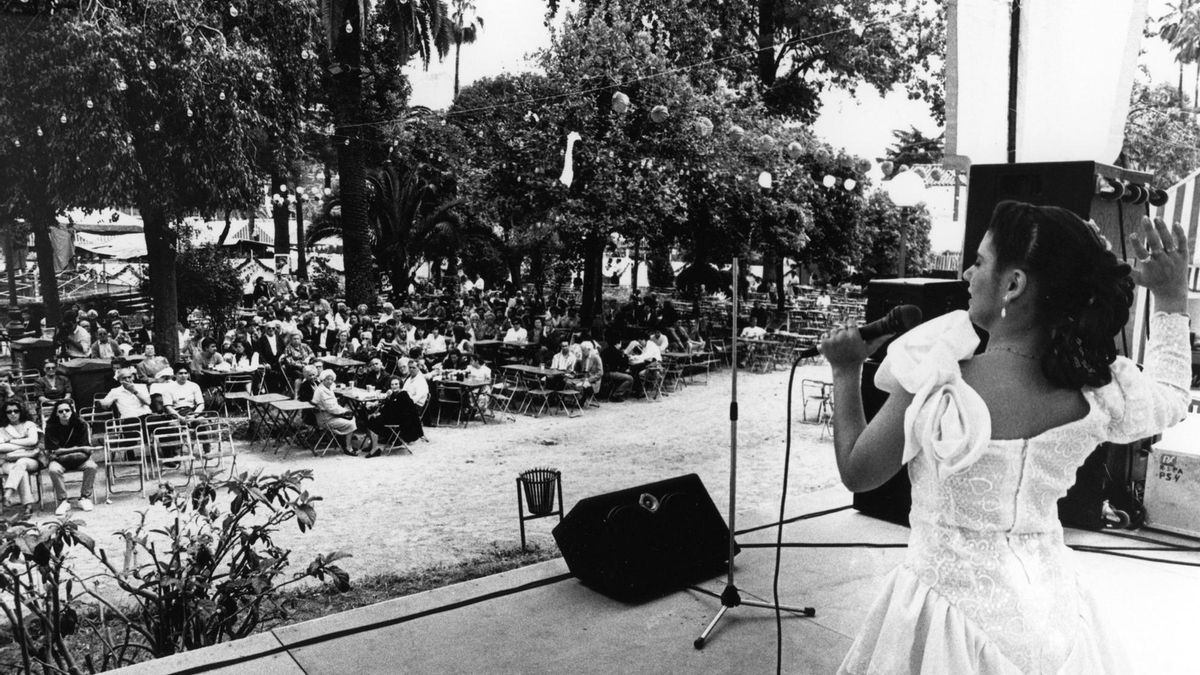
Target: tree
column 161, row 105
column 1180, row 28
column 414, row 28
column 208, row 281
column 803, row 47
column 463, row 30
column 913, row 147
column 1160, row 136
column 881, row 224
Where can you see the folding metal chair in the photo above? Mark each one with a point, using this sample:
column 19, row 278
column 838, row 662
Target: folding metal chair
column 171, row 446
column 212, row 442
column 819, row 392
column 124, row 448
column 237, row 387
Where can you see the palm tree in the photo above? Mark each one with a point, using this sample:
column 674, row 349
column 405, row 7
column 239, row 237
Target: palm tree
column 419, row 29
column 1181, row 30
column 463, row 31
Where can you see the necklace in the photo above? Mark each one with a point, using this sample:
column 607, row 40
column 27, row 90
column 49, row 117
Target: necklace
column 1010, row 350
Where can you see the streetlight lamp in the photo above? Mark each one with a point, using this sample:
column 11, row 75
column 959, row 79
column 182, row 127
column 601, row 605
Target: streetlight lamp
column 906, row 190
column 301, row 247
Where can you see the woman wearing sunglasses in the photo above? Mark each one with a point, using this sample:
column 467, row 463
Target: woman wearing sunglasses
column 19, row 446
column 68, row 445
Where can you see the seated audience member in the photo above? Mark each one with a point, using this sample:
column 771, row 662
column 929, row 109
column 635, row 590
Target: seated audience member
column 7, row 391
column 414, row 382
column 616, row 376
column 563, row 360
column 477, row 370
column 243, row 360
column 19, row 450
column 373, row 375
column 590, row 371
column 434, row 345
column 657, row 337
column 208, row 357
column 68, row 448
column 104, row 347
column 151, row 365
column 78, row 343
column 295, row 356
column 753, row 331
column 52, row 385
column 308, row 382
column 331, row 415
column 365, row 351
column 399, row 410
column 132, row 400
column 182, row 395
column 644, row 356
column 514, row 332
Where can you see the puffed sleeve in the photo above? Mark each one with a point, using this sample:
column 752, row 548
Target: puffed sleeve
column 946, row 419
column 1139, row 403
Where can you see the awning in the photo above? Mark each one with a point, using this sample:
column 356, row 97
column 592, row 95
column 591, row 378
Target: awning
column 120, row 246
column 1183, row 206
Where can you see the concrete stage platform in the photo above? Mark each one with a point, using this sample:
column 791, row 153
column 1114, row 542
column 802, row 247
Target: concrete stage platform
column 533, row 620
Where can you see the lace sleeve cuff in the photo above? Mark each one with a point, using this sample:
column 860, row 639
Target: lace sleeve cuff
column 1168, row 352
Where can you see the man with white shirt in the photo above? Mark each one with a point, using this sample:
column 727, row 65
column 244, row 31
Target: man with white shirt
column 414, row 383
column 434, row 345
column 183, row 395
column 515, row 333
column 564, row 360
column 644, row 355
column 129, row 398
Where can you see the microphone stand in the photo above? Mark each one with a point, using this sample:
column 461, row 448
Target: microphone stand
column 730, row 597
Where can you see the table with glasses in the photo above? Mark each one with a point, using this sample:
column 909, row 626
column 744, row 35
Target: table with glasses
column 283, row 422
column 469, row 391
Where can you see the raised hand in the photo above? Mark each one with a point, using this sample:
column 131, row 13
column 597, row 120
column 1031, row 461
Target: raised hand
column 1162, row 263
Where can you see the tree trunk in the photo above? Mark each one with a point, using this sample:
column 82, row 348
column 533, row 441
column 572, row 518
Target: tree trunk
column 301, row 245
column 225, row 230
column 10, row 262
column 282, row 218
column 766, row 42
column 347, row 111
column 635, row 268
column 658, row 267
column 593, row 280
column 42, row 221
column 160, row 249
column 780, row 298
column 457, row 52
column 538, row 272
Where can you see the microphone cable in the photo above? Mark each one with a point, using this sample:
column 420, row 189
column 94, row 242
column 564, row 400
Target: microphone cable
column 787, row 458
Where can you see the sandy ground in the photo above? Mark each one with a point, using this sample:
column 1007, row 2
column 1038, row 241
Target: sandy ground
column 456, row 495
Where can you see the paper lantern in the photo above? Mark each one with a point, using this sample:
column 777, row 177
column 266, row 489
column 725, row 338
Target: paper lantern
column 829, row 181
column 764, row 180
column 736, row 133
column 850, row 184
column 704, row 126
column 863, row 166
column 187, row 41
column 620, row 102
column 766, row 142
column 795, row 149
column 233, row 11
column 659, row 113
column 886, row 167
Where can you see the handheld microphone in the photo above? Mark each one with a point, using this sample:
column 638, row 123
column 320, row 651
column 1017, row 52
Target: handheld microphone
column 900, row 319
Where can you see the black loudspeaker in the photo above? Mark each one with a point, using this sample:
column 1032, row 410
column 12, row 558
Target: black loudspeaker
column 644, row 541
column 893, row 500
column 1114, row 198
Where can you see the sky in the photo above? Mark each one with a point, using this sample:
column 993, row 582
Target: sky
column 862, row 124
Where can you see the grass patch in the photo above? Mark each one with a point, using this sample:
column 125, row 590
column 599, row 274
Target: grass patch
column 313, row 603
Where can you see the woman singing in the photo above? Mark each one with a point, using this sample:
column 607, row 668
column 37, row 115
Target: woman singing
column 992, row 441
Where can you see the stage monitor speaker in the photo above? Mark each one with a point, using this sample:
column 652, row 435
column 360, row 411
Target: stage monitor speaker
column 893, row 500
column 645, row 541
column 1112, row 197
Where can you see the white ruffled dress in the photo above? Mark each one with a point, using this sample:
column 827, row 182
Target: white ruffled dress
column 987, row 585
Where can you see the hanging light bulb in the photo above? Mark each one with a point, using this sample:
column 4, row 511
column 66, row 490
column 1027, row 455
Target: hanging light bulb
column 258, row 76
column 233, row 11
column 620, row 102
column 349, row 28
column 153, row 65
column 328, row 192
column 189, row 112
column 62, row 119
column 90, row 104
column 40, row 133
column 157, row 126
column 221, row 96
column 850, row 184
column 17, row 142
column 187, row 41
column 346, row 142
column 829, row 181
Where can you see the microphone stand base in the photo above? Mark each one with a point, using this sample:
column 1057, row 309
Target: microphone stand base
column 730, row 598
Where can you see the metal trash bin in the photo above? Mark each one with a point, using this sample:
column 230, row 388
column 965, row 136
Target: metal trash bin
column 536, row 493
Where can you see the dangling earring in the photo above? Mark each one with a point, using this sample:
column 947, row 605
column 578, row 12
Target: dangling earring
column 1004, row 307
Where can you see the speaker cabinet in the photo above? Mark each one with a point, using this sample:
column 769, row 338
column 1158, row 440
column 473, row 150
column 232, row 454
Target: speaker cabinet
column 644, row 541
column 1070, row 185
column 893, row 500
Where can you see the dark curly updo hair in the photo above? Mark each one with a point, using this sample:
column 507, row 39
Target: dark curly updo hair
column 1084, row 290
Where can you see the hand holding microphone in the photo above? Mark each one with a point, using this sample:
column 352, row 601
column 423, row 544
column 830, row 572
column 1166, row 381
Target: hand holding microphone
column 850, row 346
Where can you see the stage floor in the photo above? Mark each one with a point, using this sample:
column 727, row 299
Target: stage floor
column 533, row 621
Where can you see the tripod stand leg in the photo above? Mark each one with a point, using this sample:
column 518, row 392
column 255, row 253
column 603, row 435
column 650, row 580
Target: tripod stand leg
column 802, row 611
column 699, row 643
